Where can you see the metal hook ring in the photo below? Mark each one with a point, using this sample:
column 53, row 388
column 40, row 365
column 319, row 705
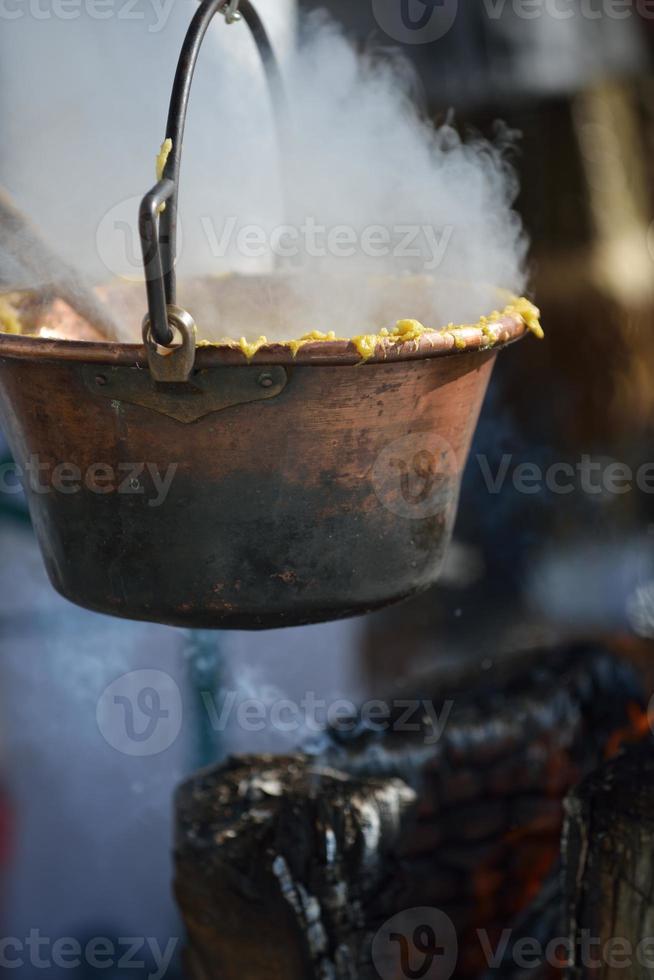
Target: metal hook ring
column 231, row 12
column 175, row 363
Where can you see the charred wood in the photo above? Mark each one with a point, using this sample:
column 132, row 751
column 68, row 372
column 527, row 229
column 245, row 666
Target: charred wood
column 286, row 868
column 609, row 869
column 279, row 862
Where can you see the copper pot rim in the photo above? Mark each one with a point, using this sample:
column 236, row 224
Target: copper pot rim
column 506, row 330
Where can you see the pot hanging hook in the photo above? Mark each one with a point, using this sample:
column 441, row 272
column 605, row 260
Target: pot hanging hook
column 158, row 225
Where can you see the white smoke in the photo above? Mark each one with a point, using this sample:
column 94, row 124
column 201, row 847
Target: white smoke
column 376, row 215
column 280, row 693
column 368, row 190
column 84, row 102
column 397, row 195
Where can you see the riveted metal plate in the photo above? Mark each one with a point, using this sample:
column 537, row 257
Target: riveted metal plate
column 207, row 391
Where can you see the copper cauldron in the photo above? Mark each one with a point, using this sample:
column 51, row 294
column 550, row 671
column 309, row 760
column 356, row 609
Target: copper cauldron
column 194, row 487
column 303, row 489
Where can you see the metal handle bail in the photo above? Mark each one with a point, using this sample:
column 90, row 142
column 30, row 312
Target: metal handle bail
column 174, row 364
column 157, row 224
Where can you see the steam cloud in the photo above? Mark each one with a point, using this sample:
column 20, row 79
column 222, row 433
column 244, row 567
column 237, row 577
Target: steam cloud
column 374, row 214
column 395, row 196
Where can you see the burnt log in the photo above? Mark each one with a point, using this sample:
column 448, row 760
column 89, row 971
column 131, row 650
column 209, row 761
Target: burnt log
column 608, row 855
column 490, row 789
column 278, row 862
column 475, row 832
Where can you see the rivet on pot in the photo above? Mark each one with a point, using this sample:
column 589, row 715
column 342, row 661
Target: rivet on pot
column 100, row 379
column 265, row 380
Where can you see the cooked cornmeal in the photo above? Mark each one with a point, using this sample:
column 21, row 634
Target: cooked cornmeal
column 162, row 160
column 406, row 331
column 9, row 319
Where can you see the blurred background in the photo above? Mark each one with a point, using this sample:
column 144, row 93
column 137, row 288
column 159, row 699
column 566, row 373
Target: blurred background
column 85, row 828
